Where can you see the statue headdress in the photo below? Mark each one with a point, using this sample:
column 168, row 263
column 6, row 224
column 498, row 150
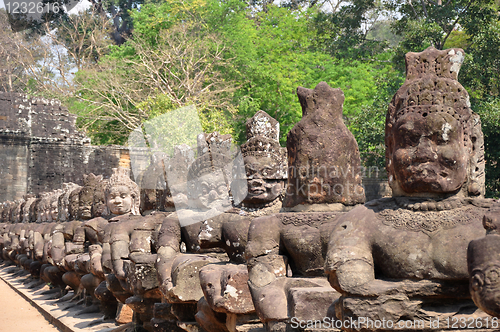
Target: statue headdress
column 263, row 141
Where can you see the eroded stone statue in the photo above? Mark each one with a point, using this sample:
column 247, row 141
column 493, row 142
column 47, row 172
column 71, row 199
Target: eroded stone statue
column 484, row 265
column 405, row 257
column 227, row 300
column 286, row 251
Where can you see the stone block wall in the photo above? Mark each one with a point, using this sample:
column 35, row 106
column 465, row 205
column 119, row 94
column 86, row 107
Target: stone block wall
column 40, row 148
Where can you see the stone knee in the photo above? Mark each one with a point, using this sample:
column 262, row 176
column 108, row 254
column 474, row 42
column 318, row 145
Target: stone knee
column 72, row 279
column 90, row 282
column 35, row 267
column 53, row 274
column 42, row 272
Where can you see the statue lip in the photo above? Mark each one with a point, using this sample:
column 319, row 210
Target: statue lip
column 256, row 190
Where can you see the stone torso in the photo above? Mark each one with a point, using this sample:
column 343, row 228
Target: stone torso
column 304, row 238
column 404, row 244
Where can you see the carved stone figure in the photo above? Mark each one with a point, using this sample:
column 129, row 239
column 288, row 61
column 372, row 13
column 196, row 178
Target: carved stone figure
column 208, row 179
column 133, row 241
column 484, row 265
column 286, row 251
column 409, row 252
column 227, row 300
column 91, row 183
column 28, row 201
column 74, row 203
column 64, row 201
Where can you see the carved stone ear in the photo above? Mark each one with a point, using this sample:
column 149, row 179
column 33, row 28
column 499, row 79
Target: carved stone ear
column 476, row 183
column 477, row 281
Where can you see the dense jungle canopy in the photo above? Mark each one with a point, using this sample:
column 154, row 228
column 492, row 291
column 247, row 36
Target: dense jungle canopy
column 120, row 63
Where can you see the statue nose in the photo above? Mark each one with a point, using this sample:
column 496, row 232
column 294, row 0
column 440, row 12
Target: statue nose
column 425, row 151
column 256, row 183
column 212, row 195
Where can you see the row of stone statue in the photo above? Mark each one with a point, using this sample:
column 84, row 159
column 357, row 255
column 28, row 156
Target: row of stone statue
column 288, row 257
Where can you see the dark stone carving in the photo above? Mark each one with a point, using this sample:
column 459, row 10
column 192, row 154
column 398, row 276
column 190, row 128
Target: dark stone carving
column 319, row 173
column 408, row 252
column 286, row 251
column 91, row 183
column 484, row 265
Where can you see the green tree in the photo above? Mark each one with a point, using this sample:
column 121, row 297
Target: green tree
column 141, row 79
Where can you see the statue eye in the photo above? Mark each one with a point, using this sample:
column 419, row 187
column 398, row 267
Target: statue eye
column 124, row 195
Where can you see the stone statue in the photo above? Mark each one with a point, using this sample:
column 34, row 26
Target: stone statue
column 86, row 195
column 484, row 266
column 74, row 203
column 286, row 251
column 409, row 251
column 28, row 201
column 207, row 200
column 64, row 201
column 264, row 176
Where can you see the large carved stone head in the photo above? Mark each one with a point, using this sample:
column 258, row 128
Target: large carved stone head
column 264, row 159
column 64, row 201
column 15, row 214
column 323, row 156
column 121, row 193
column 434, row 143
column 99, row 206
column 209, row 174
column 74, row 203
column 86, row 195
column 26, row 208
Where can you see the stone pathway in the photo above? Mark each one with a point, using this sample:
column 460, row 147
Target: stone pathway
column 24, row 309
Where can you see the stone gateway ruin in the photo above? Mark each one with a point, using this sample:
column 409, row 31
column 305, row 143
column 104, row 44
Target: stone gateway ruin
column 301, row 246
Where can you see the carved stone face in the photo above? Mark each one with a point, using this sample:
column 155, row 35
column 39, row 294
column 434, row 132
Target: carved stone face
column 262, row 189
column 85, row 203
column 54, row 211
column 210, row 191
column 429, row 154
column 73, row 204
column 42, row 212
column 119, row 200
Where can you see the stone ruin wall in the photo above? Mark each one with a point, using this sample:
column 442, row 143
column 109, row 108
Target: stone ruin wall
column 40, row 149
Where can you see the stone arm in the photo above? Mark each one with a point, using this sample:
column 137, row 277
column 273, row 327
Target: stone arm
column 38, row 243
column 58, row 249
column 95, row 232
column 350, row 264
column 22, row 239
column 266, row 268
column 106, row 261
column 120, row 239
column 169, row 239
